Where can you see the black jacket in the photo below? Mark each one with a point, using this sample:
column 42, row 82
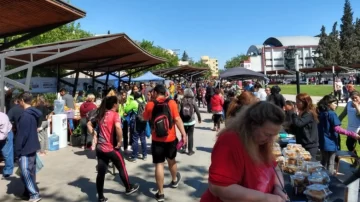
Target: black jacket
column 305, row 130
column 27, row 141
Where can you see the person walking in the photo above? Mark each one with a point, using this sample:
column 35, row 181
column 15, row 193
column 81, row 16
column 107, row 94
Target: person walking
column 27, row 144
column 6, row 144
column 109, row 120
column 163, row 115
column 188, row 108
column 135, row 109
column 217, row 103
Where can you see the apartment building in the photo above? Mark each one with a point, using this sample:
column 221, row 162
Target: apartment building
column 269, row 57
column 213, row 65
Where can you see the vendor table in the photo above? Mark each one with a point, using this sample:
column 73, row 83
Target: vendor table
column 336, row 187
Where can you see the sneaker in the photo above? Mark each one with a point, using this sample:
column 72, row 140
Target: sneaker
column 182, row 151
column 35, row 199
column 159, row 197
column 132, row 159
column 176, row 183
column 133, row 188
column 191, row 153
column 103, row 200
column 144, row 158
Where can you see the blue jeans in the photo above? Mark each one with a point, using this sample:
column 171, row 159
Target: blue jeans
column 135, row 144
column 7, row 150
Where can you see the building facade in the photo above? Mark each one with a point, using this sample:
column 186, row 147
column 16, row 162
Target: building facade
column 269, row 57
column 213, row 65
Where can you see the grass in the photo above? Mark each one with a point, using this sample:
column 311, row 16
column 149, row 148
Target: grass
column 313, row 90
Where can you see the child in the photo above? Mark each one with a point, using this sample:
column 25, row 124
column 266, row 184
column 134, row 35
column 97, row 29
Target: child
column 289, row 107
column 329, row 130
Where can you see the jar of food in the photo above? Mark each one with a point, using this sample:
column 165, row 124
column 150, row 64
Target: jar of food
column 317, row 193
column 298, row 183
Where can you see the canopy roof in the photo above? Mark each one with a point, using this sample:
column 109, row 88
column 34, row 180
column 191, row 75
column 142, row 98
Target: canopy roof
column 185, row 70
column 148, row 76
column 34, row 17
column 107, row 53
column 241, row 73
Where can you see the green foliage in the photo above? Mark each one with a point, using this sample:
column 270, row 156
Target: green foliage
column 185, row 57
column 69, row 31
column 198, row 64
column 357, row 38
column 322, row 49
column 171, row 59
column 50, row 97
column 347, row 36
column 340, row 48
column 235, row 61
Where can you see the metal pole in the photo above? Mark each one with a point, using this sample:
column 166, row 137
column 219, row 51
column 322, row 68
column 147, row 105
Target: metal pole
column 297, row 74
column 2, row 83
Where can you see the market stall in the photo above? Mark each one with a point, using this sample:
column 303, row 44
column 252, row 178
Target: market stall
column 304, row 179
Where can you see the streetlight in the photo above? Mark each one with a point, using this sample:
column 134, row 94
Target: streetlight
column 297, row 74
column 291, row 62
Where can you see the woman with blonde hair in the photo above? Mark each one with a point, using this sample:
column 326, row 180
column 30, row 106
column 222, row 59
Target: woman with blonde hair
column 243, row 167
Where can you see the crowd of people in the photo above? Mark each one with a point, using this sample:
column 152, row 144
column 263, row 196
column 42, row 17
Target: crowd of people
column 242, row 165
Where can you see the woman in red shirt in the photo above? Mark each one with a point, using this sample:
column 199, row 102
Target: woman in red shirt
column 217, row 103
column 242, row 164
column 109, row 122
column 85, row 107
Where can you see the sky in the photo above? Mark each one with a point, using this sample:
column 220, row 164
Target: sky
column 220, row 29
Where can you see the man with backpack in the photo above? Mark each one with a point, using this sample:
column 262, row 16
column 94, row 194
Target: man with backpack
column 6, row 144
column 136, row 108
column 188, row 108
column 163, row 115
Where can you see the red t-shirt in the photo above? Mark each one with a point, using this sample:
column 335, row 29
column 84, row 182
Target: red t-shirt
column 107, row 127
column 231, row 164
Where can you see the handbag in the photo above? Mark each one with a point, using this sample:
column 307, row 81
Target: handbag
column 39, row 166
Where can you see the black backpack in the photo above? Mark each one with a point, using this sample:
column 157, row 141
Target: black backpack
column 140, row 123
column 187, row 109
column 161, row 119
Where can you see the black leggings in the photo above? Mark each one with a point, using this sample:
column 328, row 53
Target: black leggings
column 190, row 134
column 125, row 130
column 217, row 118
column 103, row 163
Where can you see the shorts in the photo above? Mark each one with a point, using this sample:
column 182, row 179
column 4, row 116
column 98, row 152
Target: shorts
column 163, row 150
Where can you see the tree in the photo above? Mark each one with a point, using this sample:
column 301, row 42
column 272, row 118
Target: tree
column 322, row 49
column 185, row 57
column 171, row 59
column 347, row 40
column 65, row 32
column 235, row 61
column 335, row 55
column 198, row 64
column 357, row 38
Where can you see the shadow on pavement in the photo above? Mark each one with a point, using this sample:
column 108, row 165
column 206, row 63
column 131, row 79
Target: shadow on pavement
column 88, row 153
column 205, row 149
column 203, row 128
column 208, row 120
column 198, row 184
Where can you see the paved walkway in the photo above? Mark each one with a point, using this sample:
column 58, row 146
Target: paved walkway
column 315, row 99
column 69, row 175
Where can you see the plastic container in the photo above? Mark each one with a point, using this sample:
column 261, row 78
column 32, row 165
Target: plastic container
column 53, row 143
column 317, row 193
column 70, row 114
column 298, row 183
column 59, row 106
